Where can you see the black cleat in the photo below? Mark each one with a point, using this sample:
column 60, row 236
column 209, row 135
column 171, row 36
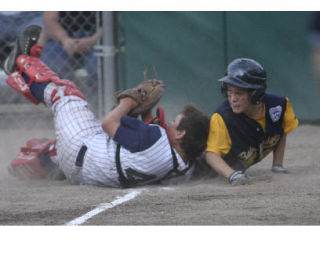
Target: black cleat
column 28, row 38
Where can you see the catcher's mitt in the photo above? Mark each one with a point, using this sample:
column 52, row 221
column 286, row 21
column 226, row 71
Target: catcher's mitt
column 147, row 94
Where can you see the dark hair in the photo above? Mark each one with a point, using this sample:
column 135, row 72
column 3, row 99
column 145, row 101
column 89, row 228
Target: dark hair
column 196, row 124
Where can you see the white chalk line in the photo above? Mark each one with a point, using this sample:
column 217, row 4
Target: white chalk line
column 103, row 207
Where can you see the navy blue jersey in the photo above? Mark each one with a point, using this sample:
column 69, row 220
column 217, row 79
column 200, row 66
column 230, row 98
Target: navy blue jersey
column 250, row 143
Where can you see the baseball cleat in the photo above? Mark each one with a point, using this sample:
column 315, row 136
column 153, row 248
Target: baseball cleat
column 23, row 44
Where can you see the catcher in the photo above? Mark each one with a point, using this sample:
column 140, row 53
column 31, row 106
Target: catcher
column 123, row 151
column 249, row 125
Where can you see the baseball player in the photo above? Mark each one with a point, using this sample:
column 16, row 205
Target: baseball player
column 123, row 151
column 249, row 125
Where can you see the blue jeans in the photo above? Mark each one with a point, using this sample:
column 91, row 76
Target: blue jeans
column 64, row 64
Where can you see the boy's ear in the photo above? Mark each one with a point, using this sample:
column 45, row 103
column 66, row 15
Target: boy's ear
column 180, row 134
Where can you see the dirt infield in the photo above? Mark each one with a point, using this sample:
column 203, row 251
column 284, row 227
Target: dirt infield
column 273, row 199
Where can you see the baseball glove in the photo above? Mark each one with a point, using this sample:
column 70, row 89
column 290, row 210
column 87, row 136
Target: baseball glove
column 147, row 94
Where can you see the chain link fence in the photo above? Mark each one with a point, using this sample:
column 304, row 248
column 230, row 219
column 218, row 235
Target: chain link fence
column 72, row 57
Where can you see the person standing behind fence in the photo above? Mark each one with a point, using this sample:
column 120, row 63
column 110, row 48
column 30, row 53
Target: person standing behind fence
column 70, row 48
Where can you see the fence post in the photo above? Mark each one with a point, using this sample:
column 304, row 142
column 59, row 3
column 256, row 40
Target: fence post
column 107, row 72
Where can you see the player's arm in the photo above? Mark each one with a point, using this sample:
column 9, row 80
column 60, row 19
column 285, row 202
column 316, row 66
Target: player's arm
column 278, row 153
column 111, row 122
column 216, row 162
column 235, row 177
column 218, row 145
column 290, row 122
column 131, row 133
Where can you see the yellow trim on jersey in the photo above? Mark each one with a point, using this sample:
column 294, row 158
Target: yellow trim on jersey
column 219, row 140
column 290, row 121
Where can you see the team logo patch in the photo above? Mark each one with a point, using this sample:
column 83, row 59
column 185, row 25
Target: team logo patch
column 275, row 113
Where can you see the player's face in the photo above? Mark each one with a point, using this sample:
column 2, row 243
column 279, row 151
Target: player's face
column 173, row 133
column 238, row 98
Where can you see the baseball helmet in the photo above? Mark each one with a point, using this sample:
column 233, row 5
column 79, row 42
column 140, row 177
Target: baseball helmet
column 246, row 73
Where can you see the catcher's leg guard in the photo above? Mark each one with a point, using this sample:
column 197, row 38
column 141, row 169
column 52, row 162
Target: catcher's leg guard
column 38, row 76
column 17, row 82
column 34, row 161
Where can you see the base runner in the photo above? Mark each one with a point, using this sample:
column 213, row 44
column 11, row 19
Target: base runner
column 249, row 124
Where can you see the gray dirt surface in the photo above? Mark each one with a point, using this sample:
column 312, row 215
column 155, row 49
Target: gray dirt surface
column 272, row 199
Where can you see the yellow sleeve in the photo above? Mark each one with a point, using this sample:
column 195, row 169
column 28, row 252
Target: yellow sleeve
column 290, row 121
column 219, row 140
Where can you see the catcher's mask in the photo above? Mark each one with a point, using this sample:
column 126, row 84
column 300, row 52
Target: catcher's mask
column 246, row 73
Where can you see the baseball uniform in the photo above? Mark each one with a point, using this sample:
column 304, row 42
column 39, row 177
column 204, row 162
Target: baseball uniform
column 243, row 141
column 138, row 154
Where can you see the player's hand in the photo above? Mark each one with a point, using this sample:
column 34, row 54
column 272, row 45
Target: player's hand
column 279, row 169
column 129, row 104
column 239, row 178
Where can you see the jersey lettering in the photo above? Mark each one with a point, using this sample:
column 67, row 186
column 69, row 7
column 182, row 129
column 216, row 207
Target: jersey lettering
column 253, row 154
